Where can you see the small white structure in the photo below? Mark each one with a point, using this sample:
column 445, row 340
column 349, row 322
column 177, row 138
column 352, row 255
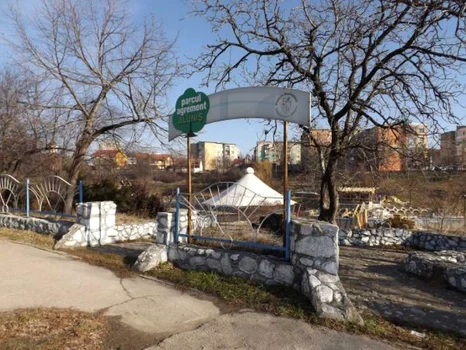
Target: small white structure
column 246, row 192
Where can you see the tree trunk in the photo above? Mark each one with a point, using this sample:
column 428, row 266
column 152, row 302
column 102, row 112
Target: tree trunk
column 328, row 204
column 73, row 172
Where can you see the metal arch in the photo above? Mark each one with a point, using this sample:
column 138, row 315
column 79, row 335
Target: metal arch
column 278, row 211
column 207, row 218
column 37, row 195
column 13, row 186
column 263, row 200
column 51, row 184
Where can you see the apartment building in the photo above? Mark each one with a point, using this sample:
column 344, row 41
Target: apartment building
column 273, row 152
column 390, row 149
column 460, row 147
column 309, row 142
column 448, row 149
column 215, row 155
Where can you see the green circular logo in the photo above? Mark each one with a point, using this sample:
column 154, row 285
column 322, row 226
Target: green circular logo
column 191, row 111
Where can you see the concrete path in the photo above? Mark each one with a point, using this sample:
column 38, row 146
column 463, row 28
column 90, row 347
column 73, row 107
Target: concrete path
column 31, row 277
column 256, row 331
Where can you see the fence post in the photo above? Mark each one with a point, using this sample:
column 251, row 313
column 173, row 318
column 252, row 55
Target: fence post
column 27, row 198
column 177, row 215
column 81, row 192
column 288, row 225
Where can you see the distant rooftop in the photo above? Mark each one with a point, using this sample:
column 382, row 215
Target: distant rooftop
column 219, row 143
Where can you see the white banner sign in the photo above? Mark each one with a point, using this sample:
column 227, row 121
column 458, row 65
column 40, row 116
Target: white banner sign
column 291, row 105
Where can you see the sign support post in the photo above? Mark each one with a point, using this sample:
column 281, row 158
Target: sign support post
column 190, row 117
column 285, row 169
column 188, row 138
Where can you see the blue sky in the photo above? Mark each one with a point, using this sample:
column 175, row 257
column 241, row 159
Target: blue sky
column 192, row 34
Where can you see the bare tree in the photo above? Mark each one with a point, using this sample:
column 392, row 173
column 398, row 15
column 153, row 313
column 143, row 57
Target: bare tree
column 26, row 134
column 108, row 71
column 366, row 63
column 14, row 138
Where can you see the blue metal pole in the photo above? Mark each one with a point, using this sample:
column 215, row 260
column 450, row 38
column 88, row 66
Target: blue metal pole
column 27, row 198
column 81, row 191
column 177, row 215
column 288, row 225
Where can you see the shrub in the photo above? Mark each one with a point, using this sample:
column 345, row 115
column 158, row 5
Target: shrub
column 133, row 199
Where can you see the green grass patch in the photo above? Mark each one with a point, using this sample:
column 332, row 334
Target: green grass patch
column 238, row 292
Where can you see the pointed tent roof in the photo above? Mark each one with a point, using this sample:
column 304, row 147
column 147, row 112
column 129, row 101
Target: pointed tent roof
column 247, row 191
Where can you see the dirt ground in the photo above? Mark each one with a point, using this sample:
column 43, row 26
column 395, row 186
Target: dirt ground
column 374, row 278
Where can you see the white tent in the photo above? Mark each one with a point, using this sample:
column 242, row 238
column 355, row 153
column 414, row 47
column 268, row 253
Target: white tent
column 247, row 191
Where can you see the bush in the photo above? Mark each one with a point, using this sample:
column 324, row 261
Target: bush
column 132, row 199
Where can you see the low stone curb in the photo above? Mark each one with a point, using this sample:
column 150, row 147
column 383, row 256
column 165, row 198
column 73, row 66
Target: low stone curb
column 447, row 265
column 394, row 236
column 254, row 267
column 42, row 226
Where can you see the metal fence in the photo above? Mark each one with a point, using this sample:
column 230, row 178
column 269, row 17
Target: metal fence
column 245, row 220
column 46, row 197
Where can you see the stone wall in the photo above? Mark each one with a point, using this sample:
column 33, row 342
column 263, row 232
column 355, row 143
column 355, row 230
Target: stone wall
column 255, row 267
column 99, row 219
column 96, row 226
column 436, row 241
column 373, row 237
column 75, row 237
column 313, row 269
column 393, row 236
column 447, row 265
column 131, row 232
column 456, row 277
column 315, row 245
column 43, row 226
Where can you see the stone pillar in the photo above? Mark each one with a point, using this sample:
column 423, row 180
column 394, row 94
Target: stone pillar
column 184, row 222
column 165, row 221
column 166, row 226
column 315, row 258
column 99, row 221
column 315, row 244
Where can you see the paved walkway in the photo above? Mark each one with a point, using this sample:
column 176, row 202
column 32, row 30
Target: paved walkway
column 264, row 332
column 31, row 277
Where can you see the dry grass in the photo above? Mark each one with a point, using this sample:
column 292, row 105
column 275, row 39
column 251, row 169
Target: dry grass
column 241, row 231
column 122, row 219
column 50, row 329
column 28, row 237
column 116, row 263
